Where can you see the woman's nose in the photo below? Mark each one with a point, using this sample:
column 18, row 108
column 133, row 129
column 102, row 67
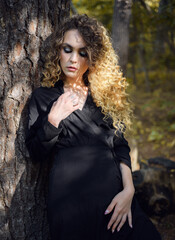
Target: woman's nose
column 74, row 57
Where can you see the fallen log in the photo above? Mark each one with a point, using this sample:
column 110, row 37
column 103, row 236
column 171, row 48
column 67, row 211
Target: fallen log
column 155, row 186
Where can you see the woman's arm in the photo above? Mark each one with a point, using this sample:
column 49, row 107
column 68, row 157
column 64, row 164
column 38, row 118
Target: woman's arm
column 45, row 126
column 121, row 203
column 127, row 178
column 41, row 135
column 128, row 190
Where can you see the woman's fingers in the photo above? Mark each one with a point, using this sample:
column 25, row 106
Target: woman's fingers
column 62, row 98
column 75, row 101
column 68, row 99
column 62, row 108
column 122, row 210
column 119, row 220
column 75, row 106
column 110, row 207
column 123, row 220
column 115, row 217
column 116, row 222
column 130, row 218
column 72, row 98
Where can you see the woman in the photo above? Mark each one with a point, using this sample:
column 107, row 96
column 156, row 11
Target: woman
column 77, row 119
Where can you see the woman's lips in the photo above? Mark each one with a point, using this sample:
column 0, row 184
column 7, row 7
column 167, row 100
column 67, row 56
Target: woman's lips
column 72, row 69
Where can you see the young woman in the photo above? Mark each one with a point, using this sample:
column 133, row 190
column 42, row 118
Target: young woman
column 77, row 120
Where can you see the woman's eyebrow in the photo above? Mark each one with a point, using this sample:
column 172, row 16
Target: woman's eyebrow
column 68, row 45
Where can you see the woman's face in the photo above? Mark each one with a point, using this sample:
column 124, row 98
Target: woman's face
column 73, row 56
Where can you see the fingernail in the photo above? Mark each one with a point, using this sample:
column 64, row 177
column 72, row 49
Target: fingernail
column 118, row 229
column 113, row 230
column 107, row 211
column 131, row 226
column 108, row 227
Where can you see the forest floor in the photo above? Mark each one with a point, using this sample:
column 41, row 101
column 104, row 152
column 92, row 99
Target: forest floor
column 166, row 227
column 154, row 132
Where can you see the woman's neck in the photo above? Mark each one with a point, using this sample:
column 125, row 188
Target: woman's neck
column 77, row 88
column 74, row 83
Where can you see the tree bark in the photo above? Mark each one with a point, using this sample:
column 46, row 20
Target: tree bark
column 24, row 26
column 120, row 30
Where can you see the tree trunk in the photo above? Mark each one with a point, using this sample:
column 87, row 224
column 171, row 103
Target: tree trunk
column 120, row 30
column 142, row 54
column 133, row 49
column 24, row 26
column 165, row 29
column 160, row 38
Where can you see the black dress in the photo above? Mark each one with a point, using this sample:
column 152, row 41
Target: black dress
column 85, row 175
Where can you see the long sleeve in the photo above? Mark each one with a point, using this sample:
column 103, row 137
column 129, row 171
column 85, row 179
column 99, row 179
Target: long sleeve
column 122, row 150
column 118, row 144
column 41, row 135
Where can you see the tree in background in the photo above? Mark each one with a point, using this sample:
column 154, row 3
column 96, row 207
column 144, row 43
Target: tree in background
column 24, row 26
column 165, row 28
column 120, row 30
column 152, row 35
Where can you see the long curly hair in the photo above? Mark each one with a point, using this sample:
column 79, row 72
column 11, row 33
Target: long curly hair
column 106, row 81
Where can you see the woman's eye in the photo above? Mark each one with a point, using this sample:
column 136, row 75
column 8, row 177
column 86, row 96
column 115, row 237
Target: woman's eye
column 67, row 49
column 83, row 53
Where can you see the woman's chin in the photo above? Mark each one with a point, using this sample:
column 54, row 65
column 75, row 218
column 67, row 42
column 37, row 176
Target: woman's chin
column 72, row 76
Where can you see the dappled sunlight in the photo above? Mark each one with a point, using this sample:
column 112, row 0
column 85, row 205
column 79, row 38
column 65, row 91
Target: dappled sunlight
column 77, row 91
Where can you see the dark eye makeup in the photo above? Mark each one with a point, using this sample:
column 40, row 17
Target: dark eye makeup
column 83, row 53
column 68, row 49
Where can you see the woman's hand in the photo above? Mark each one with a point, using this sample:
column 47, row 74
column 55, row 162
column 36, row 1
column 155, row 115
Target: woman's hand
column 62, row 108
column 121, row 204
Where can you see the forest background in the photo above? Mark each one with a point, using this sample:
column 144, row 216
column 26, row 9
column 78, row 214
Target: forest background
column 150, row 70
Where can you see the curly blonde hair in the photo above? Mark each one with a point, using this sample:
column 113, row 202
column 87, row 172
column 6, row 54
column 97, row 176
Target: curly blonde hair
column 106, row 81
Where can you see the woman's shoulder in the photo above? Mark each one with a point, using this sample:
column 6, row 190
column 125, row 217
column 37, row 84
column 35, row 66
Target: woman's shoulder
column 58, row 86
column 42, row 97
column 39, row 91
column 46, row 92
